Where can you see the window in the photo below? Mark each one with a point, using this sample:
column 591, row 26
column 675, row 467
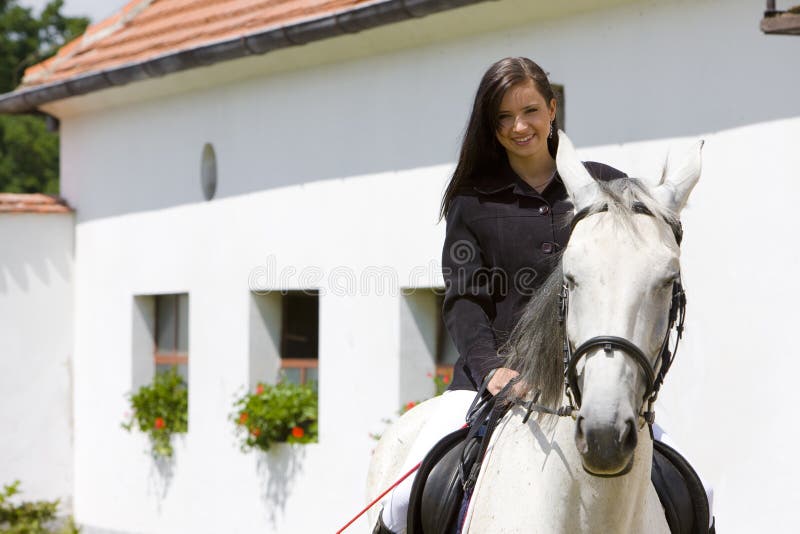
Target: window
column 208, row 171
column 172, row 333
column 425, row 345
column 446, row 352
column 300, row 336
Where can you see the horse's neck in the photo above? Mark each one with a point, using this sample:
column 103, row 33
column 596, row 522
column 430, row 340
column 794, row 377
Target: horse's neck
column 533, row 481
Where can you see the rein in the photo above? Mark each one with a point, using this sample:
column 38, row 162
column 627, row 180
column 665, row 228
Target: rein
column 654, row 374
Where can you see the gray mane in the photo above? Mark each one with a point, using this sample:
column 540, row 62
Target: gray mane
column 535, row 345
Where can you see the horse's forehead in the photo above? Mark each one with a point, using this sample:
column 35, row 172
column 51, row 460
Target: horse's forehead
column 601, row 239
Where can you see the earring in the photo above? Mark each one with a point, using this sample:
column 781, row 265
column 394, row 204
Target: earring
column 551, row 131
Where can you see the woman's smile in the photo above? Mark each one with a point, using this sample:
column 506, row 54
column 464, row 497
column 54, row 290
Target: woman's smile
column 522, row 141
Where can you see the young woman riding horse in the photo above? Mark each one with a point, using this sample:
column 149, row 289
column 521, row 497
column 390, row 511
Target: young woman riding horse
column 507, row 216
column 507, row 212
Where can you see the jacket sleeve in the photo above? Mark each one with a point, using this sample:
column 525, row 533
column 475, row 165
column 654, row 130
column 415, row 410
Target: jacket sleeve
column 468, row 305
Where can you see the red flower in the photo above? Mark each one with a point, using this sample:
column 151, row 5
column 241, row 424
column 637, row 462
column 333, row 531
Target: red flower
column 243, row 418
column 410, row 405
column 445, row 379
column 159, row 423
column 255, row 431
column 259, row 389
column 298, row 432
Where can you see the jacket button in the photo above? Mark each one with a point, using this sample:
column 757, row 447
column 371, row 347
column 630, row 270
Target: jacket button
column 544, row 210
column 547, row 247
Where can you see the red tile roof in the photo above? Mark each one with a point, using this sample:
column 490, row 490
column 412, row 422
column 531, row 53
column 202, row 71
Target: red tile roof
column 32, row 203
column 145, row 29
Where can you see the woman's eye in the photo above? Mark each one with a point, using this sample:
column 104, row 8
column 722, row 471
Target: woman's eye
column 532, row 110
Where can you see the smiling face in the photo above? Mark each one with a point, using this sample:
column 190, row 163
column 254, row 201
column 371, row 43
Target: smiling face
column 523, row 122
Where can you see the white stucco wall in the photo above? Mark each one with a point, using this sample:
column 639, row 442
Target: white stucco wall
column 35, row 355
column 340, row 168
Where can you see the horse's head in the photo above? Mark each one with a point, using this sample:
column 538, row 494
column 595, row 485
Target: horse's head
column 619, row 270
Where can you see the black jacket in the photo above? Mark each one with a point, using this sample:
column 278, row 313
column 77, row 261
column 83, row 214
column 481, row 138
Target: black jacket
column 501, row 243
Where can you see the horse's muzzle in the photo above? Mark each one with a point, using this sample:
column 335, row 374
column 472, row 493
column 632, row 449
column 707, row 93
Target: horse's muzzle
column 606, row 449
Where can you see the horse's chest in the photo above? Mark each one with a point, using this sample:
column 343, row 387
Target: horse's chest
column 532, row 482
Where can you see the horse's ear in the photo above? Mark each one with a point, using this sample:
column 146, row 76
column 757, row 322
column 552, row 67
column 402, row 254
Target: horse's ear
column 581, row 187
column 681, row 174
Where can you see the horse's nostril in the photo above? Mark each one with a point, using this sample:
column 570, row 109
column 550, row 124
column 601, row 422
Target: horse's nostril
column 628, row 438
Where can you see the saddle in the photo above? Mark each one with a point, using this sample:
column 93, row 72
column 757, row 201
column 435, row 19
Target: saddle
column 680, row 491
column 443, row 485
column 444, row 481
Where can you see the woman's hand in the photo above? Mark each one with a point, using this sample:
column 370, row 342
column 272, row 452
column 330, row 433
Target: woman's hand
column 502, row 376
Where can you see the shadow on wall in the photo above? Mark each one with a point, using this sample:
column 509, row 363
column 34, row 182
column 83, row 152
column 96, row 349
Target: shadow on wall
column 277, row 470
column 162, row 472
column 35, row 248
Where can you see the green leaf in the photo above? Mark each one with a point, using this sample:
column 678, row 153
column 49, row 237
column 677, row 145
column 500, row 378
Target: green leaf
column 274, row 413
column 160, row 410
column 28, row 152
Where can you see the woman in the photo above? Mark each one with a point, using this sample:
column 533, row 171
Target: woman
column 507, row 213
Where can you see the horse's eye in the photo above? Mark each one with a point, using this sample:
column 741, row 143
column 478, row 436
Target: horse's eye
column 669, row 280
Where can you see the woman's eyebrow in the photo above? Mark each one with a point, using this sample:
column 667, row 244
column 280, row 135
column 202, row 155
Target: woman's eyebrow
column 526, row 106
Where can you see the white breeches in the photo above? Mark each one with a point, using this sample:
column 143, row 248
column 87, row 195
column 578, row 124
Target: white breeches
column 449, row 416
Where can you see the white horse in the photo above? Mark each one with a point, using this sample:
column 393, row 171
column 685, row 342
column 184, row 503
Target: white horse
column 589, row 473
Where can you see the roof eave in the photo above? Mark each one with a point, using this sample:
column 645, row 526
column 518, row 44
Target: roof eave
column 352, row 21
column 781, row 23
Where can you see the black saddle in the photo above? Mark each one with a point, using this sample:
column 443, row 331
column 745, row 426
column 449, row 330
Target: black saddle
column 444, row 481
column 438, row 495
column 680, row 491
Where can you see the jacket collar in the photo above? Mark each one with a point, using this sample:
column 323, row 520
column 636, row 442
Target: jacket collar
column 507, row 179
column 491, row 189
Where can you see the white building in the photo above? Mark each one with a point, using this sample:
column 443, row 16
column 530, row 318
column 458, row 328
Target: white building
column 330, row 159
column 36, row 301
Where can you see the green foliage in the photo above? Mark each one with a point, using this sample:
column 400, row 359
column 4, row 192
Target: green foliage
column 161, row 410
column 26, row 40
column 28, row 155
column 283, row 412
column 31, row 517
column 441, row 382
column 28, row 152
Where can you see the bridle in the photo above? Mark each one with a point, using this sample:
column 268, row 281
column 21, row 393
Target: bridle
column 654, row 373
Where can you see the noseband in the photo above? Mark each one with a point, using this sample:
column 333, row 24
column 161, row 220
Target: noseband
column 654, row 373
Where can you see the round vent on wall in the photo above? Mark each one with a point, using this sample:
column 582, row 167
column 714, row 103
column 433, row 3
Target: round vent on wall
column 208, row 172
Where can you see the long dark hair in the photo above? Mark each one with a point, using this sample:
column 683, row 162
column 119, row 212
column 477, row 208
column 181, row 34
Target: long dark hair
column 481, row 154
